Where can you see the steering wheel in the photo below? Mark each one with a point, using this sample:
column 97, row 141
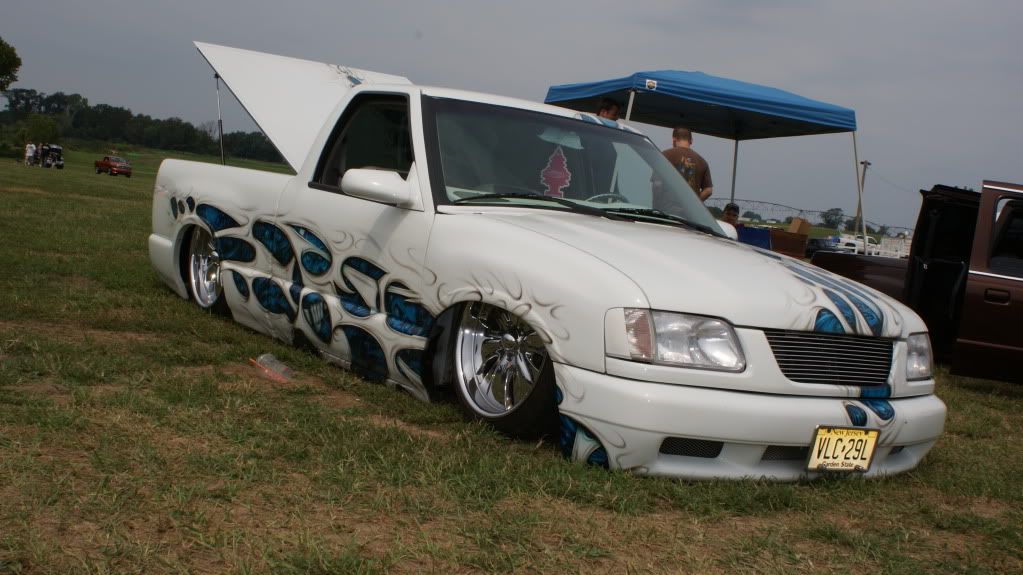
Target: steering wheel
column 607, row 198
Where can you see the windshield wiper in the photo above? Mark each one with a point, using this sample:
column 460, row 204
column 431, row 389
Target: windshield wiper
column 578, row 208
column 653, row 214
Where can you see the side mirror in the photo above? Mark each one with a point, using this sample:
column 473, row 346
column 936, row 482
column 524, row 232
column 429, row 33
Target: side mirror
column 729, row 230
column 383, row 186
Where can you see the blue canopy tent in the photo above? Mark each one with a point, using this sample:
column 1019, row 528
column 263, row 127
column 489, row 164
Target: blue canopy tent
column 714, row 106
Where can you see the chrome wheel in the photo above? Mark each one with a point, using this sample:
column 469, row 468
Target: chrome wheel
column 204, row 268
column 498, row 360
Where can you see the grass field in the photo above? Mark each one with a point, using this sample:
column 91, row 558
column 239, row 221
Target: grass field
column 136, row 438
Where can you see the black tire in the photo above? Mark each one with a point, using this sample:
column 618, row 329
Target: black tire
column 493, row 346
column 98, row 171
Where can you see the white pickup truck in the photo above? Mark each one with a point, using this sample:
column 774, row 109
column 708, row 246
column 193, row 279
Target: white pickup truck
column 549, row 269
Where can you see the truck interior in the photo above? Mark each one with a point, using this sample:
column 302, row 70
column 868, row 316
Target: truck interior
column 939, row 260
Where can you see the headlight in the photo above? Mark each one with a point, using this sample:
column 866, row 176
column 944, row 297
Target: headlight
column 683, row 340
column 918, row 356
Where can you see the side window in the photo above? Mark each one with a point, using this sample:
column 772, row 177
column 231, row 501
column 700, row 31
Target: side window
column 373, row 133
column 1007, row 243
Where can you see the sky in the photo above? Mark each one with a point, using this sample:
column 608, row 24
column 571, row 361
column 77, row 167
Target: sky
column 935, row 84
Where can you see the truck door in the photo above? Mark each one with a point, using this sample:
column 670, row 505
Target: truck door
column 990, row 341
column 355, row 276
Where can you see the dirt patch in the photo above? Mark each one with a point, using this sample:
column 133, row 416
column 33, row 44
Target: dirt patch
column 22, row 190
column 72, row 332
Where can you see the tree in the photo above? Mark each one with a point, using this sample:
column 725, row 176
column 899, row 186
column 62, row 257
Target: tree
column 38, row 128
column 752, row 216
column 833, row 218
column 22, row 102
column 10, row 63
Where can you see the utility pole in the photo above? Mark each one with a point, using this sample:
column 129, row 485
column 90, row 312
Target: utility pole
column 859, row 207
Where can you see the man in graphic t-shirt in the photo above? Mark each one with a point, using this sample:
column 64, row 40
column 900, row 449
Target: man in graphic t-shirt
column 691, row 165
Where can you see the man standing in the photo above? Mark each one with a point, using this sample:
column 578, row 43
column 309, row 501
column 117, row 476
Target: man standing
column 691, row 165
column 609, row 109
column 30, row 153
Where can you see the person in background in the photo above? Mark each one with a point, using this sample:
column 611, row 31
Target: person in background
column 691, row 165
column 609, row 109
column 731, row 214
column 30, row 153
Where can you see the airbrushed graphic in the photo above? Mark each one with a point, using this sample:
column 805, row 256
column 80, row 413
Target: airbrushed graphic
column 340, row 311
column 840, row 306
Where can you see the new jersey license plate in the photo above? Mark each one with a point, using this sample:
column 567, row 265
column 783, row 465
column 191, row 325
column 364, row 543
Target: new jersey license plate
column 842, row 449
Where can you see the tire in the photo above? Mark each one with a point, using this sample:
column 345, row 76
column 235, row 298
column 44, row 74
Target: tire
column 503, row 374
column 203, row 272
column 127, row 175
column 111, row 172
column 98, row 171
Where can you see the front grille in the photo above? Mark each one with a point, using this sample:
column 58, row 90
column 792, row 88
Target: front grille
column 689, row 447
column 809, row 357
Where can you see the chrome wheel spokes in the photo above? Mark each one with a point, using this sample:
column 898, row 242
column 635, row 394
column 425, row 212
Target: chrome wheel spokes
column 499, row 359
column 204, row 268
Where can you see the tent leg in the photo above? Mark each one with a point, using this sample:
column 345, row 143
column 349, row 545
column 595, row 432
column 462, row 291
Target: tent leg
column 628, row 110
column 859, row 193
column 735, row 163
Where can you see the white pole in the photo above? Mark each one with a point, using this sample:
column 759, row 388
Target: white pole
column 735, row 163
column 859, row 191
column 863, row 218
column 628, row 110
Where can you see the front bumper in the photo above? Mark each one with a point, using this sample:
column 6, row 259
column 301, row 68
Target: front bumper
column 753, row 434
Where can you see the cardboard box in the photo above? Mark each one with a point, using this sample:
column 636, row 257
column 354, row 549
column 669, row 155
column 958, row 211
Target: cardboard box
column 788, row 243
column 799, row 226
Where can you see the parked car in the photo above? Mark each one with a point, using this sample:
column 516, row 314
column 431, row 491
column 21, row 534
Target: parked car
column 508, row 254
column 113, row 165
column 53, row 157
column 814, row 245
column 964, row 276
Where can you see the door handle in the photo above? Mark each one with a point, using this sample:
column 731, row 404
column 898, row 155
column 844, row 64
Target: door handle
column 996, row 295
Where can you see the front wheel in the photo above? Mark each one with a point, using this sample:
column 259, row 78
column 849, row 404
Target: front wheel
column 503, row 373
column 204, row 272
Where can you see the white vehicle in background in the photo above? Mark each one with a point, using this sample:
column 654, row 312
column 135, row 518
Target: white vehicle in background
column 550, row 270
column 854, row 244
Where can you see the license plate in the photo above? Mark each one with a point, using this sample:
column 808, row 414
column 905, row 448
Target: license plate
column 842, row 449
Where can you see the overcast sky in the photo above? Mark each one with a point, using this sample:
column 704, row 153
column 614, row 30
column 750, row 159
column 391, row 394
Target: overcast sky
column 935, row 84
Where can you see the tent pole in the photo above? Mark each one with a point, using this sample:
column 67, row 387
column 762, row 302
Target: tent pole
column 859, row 192
column 628, row 110
column 735, row 163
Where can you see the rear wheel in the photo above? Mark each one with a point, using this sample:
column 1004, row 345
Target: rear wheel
column 204, row 273
column 99, row 171
column 503, row 373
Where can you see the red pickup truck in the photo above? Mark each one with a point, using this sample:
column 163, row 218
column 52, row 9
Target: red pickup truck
column 964, row 276
column 113, row 165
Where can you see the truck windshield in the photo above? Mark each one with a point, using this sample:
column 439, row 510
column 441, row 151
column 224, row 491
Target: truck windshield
column 512, row 157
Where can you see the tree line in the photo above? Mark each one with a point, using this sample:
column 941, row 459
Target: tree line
column 39, row 117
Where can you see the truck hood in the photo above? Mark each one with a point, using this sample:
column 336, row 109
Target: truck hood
column 288, row 98
column 687, row 271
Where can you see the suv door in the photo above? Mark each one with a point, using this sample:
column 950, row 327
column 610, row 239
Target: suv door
column 990, row 340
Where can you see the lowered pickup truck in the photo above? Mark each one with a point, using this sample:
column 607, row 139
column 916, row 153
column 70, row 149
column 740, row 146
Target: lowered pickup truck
column 512, row 256
column 964, row 276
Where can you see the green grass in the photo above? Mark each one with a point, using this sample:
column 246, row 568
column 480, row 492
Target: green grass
column 136, row 438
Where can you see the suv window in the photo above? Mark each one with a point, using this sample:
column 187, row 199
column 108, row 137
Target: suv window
column 1007, row 247
column 373, row 133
